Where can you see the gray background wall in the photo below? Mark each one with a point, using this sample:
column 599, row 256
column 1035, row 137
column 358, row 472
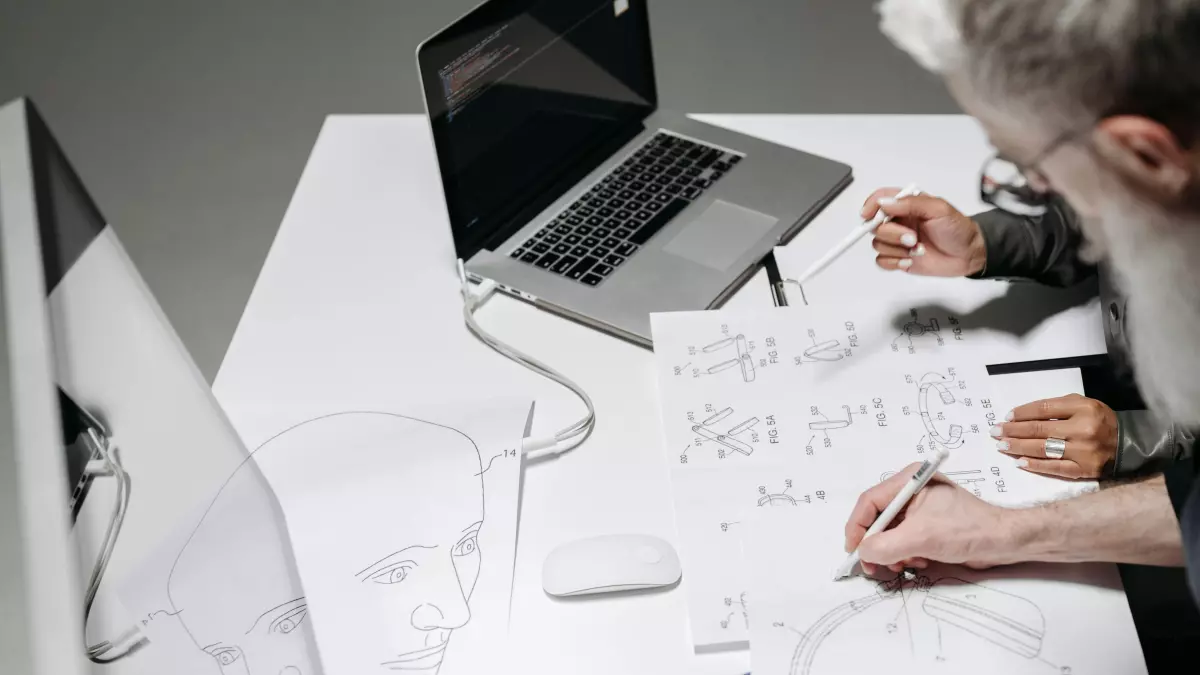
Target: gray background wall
column 190, row 122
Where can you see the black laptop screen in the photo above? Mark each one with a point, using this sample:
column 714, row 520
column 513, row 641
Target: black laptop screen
column 525, row 95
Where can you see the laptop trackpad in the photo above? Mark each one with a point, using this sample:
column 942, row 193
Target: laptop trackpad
column 721, row 235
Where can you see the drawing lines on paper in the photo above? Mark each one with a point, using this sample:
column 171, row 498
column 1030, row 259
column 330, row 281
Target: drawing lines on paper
column 216, row 593
column 936, row 382
column 716, row 429
column 1011, row 622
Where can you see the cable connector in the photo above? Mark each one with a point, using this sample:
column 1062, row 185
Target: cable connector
column 567, row 438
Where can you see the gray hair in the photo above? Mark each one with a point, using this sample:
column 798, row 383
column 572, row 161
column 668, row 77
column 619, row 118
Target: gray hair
column 1075, row 60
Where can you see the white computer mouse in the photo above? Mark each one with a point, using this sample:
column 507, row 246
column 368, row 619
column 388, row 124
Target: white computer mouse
column 615, row 562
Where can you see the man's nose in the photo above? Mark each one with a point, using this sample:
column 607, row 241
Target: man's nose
column 445, row 607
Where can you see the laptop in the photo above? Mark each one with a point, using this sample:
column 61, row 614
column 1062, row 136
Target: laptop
column 569, row 187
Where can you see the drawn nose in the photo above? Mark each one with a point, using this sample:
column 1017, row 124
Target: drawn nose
column 447, row 609
column 290, row 670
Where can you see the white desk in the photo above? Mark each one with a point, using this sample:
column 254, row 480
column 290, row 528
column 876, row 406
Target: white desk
column 363, row 266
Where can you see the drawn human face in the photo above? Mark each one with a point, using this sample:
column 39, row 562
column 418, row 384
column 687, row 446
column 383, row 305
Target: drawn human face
column 235, row 588
column 272, row 645
column 422, row 584
column 386, row 511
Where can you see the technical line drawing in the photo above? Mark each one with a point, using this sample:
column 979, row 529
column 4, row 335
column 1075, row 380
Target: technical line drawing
column 717, row 417
column 968, row 477
column 777, row 500
column 826, row 425
column 731, row 443
column 1008, row 621
column 281, row 639
column 955, row 437
column 744, row 360
column 741, row 604
column 915, row 329
column 744, row 426
column 829, row 350
column 708, row 429
column 724, row 365
column 782, row 498
column 718, row 345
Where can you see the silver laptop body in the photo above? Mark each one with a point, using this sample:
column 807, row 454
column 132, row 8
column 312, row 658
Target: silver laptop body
column 534, row 105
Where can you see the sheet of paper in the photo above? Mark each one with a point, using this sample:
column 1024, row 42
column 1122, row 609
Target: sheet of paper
column 1009, row 321
column 397, row 553
column 1023, row 620
column 820, row 397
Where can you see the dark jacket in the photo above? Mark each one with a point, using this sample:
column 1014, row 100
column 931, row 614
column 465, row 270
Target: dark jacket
column 1046, row 249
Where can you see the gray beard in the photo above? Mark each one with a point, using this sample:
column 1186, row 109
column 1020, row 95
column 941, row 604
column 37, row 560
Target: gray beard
column 1156, row 256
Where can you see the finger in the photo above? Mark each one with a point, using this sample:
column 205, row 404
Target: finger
column 1034, row 429
column 871, row 503
column 916, row 563
column 872, row 204
column 890, row 547
column 894, row 264
column 896, row 235
column 869, row 569
column 1036, row 447
column 1059, row 408
column 1062, row 468
column 890, row 250
column 897, row 568
column 917, row 207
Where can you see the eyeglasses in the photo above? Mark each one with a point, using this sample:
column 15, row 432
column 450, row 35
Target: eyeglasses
column 1021, row 189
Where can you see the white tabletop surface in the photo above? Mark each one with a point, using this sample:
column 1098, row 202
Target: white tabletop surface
column 359, row 293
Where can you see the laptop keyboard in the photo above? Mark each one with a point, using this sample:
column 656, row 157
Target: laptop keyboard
column 613, row 220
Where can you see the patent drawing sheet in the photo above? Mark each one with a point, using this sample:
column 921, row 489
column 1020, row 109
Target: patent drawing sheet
column 1008, row 321
column 398, row 552
column 769, row 408
column 1021, row 620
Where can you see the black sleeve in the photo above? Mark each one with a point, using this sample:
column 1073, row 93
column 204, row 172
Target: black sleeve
column 1044, row 248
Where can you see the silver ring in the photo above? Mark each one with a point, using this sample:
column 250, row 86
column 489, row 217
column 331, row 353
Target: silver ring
column 1055, row 448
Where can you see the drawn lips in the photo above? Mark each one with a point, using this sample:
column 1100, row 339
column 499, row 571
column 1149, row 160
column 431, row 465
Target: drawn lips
column 421, row 659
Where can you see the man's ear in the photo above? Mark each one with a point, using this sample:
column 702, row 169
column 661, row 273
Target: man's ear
column 1146, row 155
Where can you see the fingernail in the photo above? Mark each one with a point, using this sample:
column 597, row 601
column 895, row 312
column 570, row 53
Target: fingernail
column 996, row 432
column 887, row 201
column 909, row 239
column 1008, row 416
column 1003, row 446
column 1022, row 463
column 904, row 263
column 918, row 251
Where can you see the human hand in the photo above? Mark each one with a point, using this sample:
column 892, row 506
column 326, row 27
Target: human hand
column 1088, row 426
column 943, row 522
column 925, row 236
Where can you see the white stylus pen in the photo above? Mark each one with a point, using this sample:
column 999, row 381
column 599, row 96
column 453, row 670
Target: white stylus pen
column 928, row 468
column 852, row 238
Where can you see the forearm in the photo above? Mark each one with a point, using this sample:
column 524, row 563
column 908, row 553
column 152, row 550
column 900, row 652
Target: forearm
column 1045, row 249
column 1128, row 523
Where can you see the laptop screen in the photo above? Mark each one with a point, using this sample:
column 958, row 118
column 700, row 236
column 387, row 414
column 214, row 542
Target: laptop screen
column 523, row 94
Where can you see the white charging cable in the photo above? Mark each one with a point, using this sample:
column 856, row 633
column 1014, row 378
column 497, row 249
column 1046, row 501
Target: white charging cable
column 109, row 464
column 569, row 437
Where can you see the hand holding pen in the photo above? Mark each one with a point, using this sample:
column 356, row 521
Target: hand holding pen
column 925, row 235
column 942, row 522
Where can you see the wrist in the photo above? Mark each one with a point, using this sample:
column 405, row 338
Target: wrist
column 1021, row 535
column 976, row 253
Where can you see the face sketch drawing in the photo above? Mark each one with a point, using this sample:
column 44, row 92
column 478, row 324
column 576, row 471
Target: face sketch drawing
column 392, row 504
column 234, row 587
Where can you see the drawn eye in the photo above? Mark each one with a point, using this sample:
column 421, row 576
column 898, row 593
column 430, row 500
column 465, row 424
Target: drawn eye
column 227, row 655
column 467, row 546
column 288, row 622
column 392, row 575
